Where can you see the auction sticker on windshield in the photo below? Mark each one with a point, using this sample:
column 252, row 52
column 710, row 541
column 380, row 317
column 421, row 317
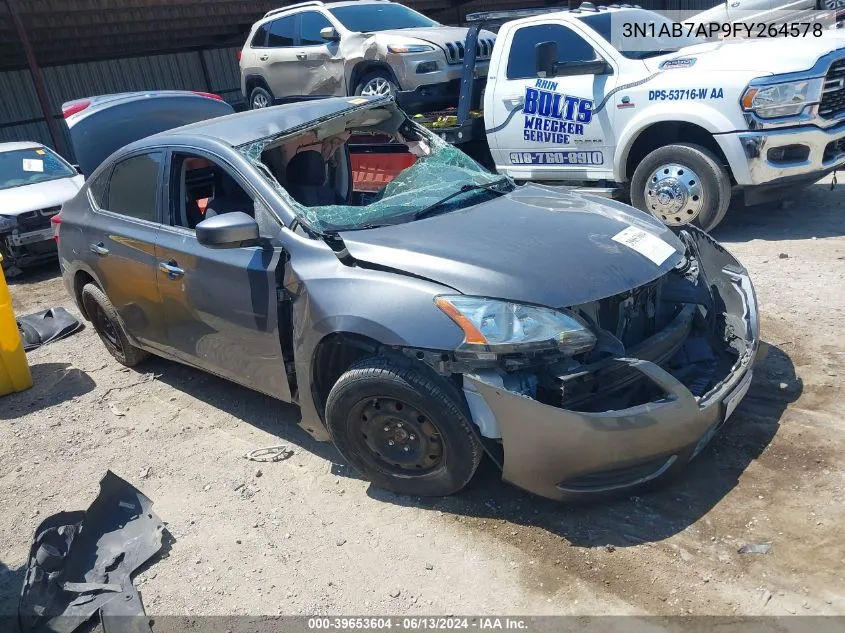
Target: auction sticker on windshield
column 645, row 244
column 33, row 164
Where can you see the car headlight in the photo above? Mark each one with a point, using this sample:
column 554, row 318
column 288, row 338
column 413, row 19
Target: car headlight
column 7, row 224
column 493, row 325
column 409, row 48
column 781, row 99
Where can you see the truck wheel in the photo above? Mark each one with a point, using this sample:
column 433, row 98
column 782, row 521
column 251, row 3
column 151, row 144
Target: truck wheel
column 107, row 323
column 404, row 430
column 682, row 184
column 260, row 98
column 376, row 84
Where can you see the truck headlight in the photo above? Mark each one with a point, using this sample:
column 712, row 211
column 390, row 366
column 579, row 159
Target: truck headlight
column 409, row 48
column 493, row 324
column 783, row 99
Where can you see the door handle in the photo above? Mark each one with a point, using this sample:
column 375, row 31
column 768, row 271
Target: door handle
column 99, row 249
column 513, row 101
column 171, row 269
column 734, row 4
column 264, row 58
column 302, row 56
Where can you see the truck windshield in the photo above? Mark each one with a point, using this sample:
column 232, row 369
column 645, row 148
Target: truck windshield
column 31, row 166
column 649, row 40
column 370, row 17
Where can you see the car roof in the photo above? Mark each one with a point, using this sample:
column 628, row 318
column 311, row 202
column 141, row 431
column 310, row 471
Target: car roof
column 247, row 127
column 19, row 145
column 316, row 4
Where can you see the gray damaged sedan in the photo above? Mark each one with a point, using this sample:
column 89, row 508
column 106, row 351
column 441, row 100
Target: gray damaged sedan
column 444, row 315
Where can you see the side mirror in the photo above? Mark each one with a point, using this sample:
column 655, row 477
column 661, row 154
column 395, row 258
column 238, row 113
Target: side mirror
column 330, row 34
column 592, row 67
column 545, row 58
column 227, row 230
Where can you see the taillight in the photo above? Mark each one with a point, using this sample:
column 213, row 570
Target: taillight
column 56, row 222
column 72, row 107
column 210, row 95
column 240, row 54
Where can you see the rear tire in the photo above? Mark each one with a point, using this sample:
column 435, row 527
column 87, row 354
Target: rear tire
column 260, row 98
column 109, row 327
column 682, row 184
column 404, row 429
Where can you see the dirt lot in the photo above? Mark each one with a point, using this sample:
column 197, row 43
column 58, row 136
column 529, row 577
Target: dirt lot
column 306, row 535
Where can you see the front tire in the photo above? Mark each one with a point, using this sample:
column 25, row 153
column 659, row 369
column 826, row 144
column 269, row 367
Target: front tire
column 375, row 84
column 109, row 327
column 682, row 184
column 404, row 429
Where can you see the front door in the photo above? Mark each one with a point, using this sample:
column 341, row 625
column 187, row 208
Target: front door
column 220, row 303
column 551, row 128
column 320, row 58
column 280, row 60
column 119, row 243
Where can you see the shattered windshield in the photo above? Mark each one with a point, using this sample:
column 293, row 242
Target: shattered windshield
column 442, row 179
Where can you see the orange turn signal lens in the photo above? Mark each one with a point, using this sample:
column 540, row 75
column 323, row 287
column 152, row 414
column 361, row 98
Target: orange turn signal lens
column 471, row 333
column 748, row 98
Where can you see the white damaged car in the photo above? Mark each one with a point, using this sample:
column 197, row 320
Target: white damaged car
column 34, row 183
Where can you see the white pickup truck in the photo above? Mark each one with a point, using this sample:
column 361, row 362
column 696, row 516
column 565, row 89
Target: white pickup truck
column 678, row 123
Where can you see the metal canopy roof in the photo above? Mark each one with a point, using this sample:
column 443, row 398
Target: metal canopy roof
column 66, row 31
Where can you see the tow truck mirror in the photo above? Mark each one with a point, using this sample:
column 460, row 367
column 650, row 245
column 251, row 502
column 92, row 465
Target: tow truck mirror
column 545, row 57
column 330, row 34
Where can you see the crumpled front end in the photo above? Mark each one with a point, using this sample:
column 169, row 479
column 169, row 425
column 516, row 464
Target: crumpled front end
column 673, row 359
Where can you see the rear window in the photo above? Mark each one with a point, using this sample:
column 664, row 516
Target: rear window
column 282, row 32
column 133, row 188
column 259, row 40
column 31, row 166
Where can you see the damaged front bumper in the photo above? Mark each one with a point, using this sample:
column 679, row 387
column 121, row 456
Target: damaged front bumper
column 563, row 454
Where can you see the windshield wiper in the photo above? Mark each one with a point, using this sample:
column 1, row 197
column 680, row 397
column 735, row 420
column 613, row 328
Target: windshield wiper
column 490, row 186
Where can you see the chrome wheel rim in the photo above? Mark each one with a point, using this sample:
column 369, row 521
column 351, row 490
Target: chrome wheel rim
column 673, row 194
column 376, row 87
column 260, row 101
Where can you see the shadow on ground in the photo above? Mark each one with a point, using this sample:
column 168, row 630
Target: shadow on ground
column 263, row 412
column 652, row 516
column 53, row 383
column 35, row 274
column 812, row 212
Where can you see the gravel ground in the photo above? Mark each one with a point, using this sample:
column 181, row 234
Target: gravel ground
column 306, row 535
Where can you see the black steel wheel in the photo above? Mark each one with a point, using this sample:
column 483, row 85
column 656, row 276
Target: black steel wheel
column 406, row 429
column 109, row 328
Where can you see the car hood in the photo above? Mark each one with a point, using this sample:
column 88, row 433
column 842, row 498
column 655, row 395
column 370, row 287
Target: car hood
column 540, row 245
column 41, row 195
column 437, row 35
column 762, row 55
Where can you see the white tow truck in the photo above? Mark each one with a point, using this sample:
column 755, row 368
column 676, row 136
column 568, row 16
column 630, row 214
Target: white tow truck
column 677, row 123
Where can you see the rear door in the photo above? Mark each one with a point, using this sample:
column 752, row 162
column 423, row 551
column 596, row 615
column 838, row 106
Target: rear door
column 282, row 67
column 550, row 127
column 220, row 305
column 320, row 58
column 119, row 242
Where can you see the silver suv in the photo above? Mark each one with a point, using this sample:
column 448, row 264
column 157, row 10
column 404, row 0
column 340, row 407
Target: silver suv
column 362, row 47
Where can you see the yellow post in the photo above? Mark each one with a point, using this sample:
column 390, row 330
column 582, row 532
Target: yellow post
column 14, row 370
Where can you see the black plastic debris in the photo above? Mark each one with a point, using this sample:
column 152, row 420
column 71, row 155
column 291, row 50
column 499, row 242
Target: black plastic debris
column 46, row 326
column 81, row 563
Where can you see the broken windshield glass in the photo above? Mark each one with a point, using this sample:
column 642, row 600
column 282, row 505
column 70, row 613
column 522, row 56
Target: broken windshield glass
column 442, row 171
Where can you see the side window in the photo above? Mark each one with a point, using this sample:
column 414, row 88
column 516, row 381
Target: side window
column 571, row 47
column 310, row 25
column 133, row 187
column 200, row 189
column 99, row 188
column 259, row 40
column 282, row 32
